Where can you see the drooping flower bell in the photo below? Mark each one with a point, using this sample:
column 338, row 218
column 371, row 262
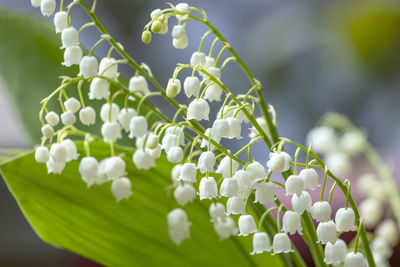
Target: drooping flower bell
column 234, row 128
column 47, row 131
column 338, row 163
column 52, row 118
column 279, row 162
column 180, row 43
column 247, row 225
column 68, row 118
column 323, row 139
column 213, row 93
column 54, row 167
column 256, row 171
column 265, row 191
column 220, row 128
column 175, row 154
column 69, row 37
column 198, row 58
column 182, row 8
column 99, row 89
column 235, row 205
column 111, row 131
column 294, row 185
column 88, row 67
column 58, row 153
column 173, row 87
column 48, row 7
column 345, row 220
column 208, row 188
column 72, row 104
column 42, row 154
column 169, row 141
column 36, row 3
column 175, row 130
column 72, row 151
column 229, row 188
column 301, row 203
column 206, row 162
column 281, row 244
column 264, row 126
column 310, row 178
column 115, row 167
column 225, row 227
column 335, row 253
column 387, row 230
column 109, row 112
column 371, row 210
column 261, row 243
column 178, row 225
column 88, row 168
column 72, row 56
column 60, row 21
column 137, row 126
column 121, row 188
column 108, row 68
column 354, row 260
column 139, row 83
column 216, row 210
column 143, row 160
column 244, row 182
column 184, row 194
column 321, row 211
column 87, row 116
column 224, row 166
column 125, row 116
column 188, row 172
column 198, row 110
column 327, row 232
column 291, row 222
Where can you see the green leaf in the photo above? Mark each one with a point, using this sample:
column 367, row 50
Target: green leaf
column 133, row 232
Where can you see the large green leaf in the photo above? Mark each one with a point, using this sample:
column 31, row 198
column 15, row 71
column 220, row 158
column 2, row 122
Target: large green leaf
column 88, row 221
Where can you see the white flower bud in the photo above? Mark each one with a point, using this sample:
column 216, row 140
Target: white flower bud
column 265, row 191
column 310, row 178
column 261, row 121
column 111, row 131
column 48, row 7
column 338, row 163
column 88, row 168
column 256, row 171
column 125, row 116
column 42, row 154
column 291, row 223
column 87, row 116
column 198, row 58
column 178, row 32
column 301, row 203
column 69, row 37
column 354, row 260
column 55, row 167
column 281, row 244
column 139, row 83
column 175, row 154
column 225, row 166
column 183, row 8
column 235, row 205
column 36, row 3
column 184, row 194
column 88, row 67
column 178, row 225
column 121, row 188
column 225, row 227
column 47, row 131
column 206, row 162
column 99, row 89
column 52, row 118
column 294, row 185
column 234, row 128
column 188, row 172
column 216, row 210
column 261, row 243
column 191, row 86
column 321, row 211
column 327, row 232
column 244, row 182
column 247, row 225
column 115, row 167
column 108, row 68
column 173, row 88
column 105, row 112
column 213, row 93
column 335, row 253
column 198, row 110
column 228, row 188
column 208, row 188
column 209, row 62
column 387, row 230
column 323, row 139
column 279, row 162
column 68, row 118
column 58, row 153
column 72, row 151
column 156, row 13
column 180, row 43
column 72, row 104
column 143, row 160
column 152, row 141
column 371, row 212
column 164, row 26
column 72, row 56
column 345, row 220
column 220, row 128
column 61, row 21
column 137, row 126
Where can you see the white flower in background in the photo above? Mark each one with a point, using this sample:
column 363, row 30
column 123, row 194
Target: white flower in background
column 310, row 178
column 183, row 8
column 36, row 3
column 371, row 211
column 228, row 188
column 301, row 203
column 107, row 114
column 69, row 37
column 354, row 260
column 216, row 210
column 225, row 227
column 58, row 153
column 72, row 104
column 256, row 171
column 265, row 192
column 111, row 131
column 247, row 225
column 291, row 223
column 184, row 194
column 72, row 151
column 352, row 142
column 244, row 182
column 208, row 188
column 225, row 166
column 381, row 247
column 68, row 118
column 321, row 211
column 338, row 163
column 345, row 220
column 369, row 186
column 173, row 87
column 52, row 118
column 88, row 168
column 175, row 154
column 198, row 58
column 48, row 7
column 387, row 230
column 178, row 225
column 206, row 162
column 60, row 21
column 87, row 116
column 125, row 116
column 199, row 110
column 188, row 172
column 99, row 89
column 42, row 154
column 335, row 253
column 139, row 83
column 323, row 139
column 294, row 185
column 327, row 232
column 235, row 205
column 72, row 56
column 143, row 160
column 263, row 124
column 47, row 131
column 213, row 93
column 137, row 126
column 281, row 244
column 108, row 68
column 279, row 161
column 88, row 67
column 191, row 86
column 121, row 188
column 261, row 243
column 54, row 167
column 115, row 167
column 234, row 128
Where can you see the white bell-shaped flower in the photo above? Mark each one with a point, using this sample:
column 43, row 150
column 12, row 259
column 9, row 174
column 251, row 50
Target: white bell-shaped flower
column 176, row 130
column 354, row 260
column 225, row 165
column 345, row 220
column 321, row 211
column 42, row 154
column 178, row 225
column 180, row 43
column 225, row 227
column 381, row 247
column 310, row 178
column 60, row 21
column 72, row 104
column 36, row 3
column 371, row 211
column 109, row 112
column 256, row 171
column 72, row 151
column 69, row 37
column 87, row 116
column 178, row 31
column 294, row 185
column 208, row 188
column 228, row 188
column 265, row 191
column 352, row 142
column 52, row 118
column 244, row 182
column 205, row 141
column 143, row 160
column 54, row 167
column 261, row 243
column 169, row 141
column 335, row 253
column 291, row 222
column 279, row 162
column 234, row 128
column 281, row 244
column 247, row 225
column 214, row 71
column 188, row 172
column 175, row 172
column 191, row 86
column 301, row 203
column 184, row 194
column 115, row 167
column 216, row 210
column 338, row 163
column 198, row 58
column 88, row 168
column 111, row 131
column 121, row 188
column 155, row 153
column 108, row 68
column 173, row 87
column 139, row 83
column 68, row 118
column 156, row 13
column 213, row 93
column 327, row 232
column 59, row 153
column 72, row 56
column 48, row 7
column 198, row 110
column 206, row 162
column 99, row 89
column 101, row 173
column 369, row 186
column 47, row 131
column 125, row 116
column 209, row 62
column 235, row 205
column 263, row 124
column 175, row 154
column 137, row 126
column 387, row 230
column 323, row 139
column 182, row 8
column 88, row 67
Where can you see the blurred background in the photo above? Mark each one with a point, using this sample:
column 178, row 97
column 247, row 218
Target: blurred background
column 311, row 57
